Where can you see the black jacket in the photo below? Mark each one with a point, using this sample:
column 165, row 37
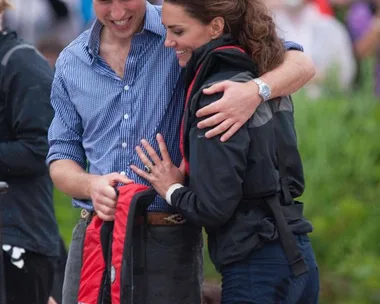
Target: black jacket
column 228, row 181
column 27, row 212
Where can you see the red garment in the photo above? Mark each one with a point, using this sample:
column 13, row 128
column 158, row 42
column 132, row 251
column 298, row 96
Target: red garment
column 324, row 7
column 107, row 249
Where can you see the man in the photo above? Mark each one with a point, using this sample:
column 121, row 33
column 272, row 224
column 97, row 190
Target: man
column 114, row 85
column 28, row 225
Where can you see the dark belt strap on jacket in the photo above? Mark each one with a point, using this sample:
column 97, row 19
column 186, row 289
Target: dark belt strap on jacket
column 287, row 238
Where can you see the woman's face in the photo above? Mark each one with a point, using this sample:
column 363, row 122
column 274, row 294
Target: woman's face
column 184, row 33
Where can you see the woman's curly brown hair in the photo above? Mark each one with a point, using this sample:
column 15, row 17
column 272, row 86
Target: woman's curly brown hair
column 248, row 21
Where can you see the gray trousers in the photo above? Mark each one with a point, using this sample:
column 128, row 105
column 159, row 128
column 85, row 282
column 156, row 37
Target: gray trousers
column 173, row 262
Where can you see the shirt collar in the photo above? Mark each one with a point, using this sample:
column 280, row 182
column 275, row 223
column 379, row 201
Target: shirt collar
column 93, row 41
column 152, row 23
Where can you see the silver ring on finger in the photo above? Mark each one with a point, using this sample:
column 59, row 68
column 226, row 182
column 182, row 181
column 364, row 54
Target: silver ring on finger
column 148, row 169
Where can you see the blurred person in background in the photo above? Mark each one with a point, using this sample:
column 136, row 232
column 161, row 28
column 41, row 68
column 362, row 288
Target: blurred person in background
column 33, row 19
column 50, row 47
column 323, row 37
column 324, row 7
column 87, row 13
column 363, row 22
column 29, row 228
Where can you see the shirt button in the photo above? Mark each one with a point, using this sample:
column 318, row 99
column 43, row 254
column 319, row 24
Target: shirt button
column 124, row 144
column 126, row 116
column 126, row 87
column 122, row 172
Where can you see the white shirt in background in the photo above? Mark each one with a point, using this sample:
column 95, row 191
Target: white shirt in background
column 324, row 39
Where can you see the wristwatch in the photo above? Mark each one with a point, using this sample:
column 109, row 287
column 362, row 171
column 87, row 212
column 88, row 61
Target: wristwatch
column 264, row 89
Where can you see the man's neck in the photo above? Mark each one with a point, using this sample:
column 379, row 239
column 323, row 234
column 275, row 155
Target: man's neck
column 106, row 38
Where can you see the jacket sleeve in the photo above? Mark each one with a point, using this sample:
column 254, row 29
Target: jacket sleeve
column 27, row 85
column 217, row 173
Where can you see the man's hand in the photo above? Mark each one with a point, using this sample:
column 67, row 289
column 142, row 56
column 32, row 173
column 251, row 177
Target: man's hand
column 237, row 105
column 240, row 100
column 103, row 194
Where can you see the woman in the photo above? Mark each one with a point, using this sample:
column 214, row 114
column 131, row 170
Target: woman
column 236, row 188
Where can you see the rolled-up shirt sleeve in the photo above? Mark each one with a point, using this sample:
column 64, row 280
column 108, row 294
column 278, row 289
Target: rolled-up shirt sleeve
column 292, row 46
column 65, row 132
column 217, row 171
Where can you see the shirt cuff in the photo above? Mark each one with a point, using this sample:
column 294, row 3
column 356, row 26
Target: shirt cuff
column 170, row 191
column 290, row 45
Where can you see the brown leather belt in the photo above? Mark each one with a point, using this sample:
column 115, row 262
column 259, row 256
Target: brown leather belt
column 153, row 218
column 165, row 219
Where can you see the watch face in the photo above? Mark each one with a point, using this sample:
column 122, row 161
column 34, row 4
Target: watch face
column 265, row 91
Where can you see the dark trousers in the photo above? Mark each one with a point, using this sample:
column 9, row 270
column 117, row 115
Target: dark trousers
column 173, row 266
column 31, row 284
column 265, row 277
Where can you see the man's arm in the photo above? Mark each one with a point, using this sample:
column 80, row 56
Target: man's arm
column 290, row 76
column 240, row 100
column 67, row 159
column 71, row 179
column 28, row 113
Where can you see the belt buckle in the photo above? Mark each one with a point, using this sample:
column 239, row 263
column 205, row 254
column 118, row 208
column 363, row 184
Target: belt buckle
column 176, row 219
column 84, row 214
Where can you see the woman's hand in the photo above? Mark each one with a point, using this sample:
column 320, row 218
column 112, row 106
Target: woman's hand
column 163, row 173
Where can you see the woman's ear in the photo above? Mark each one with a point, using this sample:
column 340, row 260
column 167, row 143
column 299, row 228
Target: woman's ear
column 217, row 27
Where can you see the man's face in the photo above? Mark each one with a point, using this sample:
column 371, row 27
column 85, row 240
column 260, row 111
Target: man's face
column 122, row 18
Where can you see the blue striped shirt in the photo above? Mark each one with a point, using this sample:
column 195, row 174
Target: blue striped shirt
column 100, row 118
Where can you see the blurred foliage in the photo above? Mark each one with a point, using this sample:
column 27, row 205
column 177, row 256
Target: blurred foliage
column 340, row 147
column 339, row 140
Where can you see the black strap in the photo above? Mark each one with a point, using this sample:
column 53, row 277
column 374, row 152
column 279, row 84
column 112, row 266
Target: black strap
column 3, row 189
column 138, row 260
column 287, row 238
column 281, row 154
column 144, row 283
